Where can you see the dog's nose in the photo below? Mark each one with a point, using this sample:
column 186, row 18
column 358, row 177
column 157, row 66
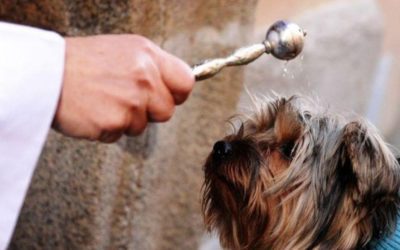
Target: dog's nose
column 222, row 149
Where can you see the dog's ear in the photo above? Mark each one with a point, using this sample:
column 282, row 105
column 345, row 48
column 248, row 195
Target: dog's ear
column 375, row 176
column 374, row 171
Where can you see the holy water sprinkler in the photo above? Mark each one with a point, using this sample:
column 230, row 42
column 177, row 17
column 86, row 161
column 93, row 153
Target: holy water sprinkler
column 284, row 40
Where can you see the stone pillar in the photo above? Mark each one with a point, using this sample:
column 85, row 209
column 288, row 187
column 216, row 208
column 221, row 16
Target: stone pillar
column 139, row 193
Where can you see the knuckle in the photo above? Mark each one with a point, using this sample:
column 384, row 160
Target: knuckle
column 141, row 128
column 147, row 84
column 140, row 66
column 138, row 39
column 137, row 129
column 135, row 103
column 110, row 138
column 166, row 114
column 107, row 134
column 145, row 45
column 149, row 47
column 115, row 125
column 144, row 73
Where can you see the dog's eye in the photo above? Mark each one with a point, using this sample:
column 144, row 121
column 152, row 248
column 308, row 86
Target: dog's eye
column 286, row 150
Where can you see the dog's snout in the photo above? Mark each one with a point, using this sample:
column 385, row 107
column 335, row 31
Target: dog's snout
column 222, row 149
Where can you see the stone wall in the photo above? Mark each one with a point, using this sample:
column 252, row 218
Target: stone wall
column 139, row 193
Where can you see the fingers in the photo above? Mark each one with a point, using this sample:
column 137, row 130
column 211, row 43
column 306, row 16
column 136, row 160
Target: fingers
column 161, row 81
column 109, row 137
column 177, row 76
column 160, row 103
column 138, row 123
column 116, row 84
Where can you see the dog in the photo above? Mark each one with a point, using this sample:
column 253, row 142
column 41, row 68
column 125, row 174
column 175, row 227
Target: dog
column 293, row 176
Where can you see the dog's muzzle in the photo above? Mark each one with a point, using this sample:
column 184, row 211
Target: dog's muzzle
column 221, row 150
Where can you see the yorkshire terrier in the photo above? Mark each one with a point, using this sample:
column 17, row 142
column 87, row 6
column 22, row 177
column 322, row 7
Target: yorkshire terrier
column 295, row 177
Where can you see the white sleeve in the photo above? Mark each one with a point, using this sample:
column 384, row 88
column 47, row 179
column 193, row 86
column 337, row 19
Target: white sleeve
column 31, row 72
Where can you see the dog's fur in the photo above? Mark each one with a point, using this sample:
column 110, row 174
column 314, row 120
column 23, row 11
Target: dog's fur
column 300, row 178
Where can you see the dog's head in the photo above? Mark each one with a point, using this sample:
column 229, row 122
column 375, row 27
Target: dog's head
column 296, row 177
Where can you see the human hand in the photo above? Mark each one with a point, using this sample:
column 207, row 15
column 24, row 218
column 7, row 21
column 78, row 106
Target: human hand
column 116, row 84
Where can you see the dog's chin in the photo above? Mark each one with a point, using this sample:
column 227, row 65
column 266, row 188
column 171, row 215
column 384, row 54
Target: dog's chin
column 230, row 202
column 220, row 181
column 229, row 179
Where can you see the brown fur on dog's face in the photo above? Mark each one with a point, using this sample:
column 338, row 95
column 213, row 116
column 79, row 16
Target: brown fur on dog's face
column 294, row 177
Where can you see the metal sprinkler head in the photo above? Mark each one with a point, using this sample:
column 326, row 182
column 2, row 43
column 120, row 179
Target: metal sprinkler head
column 284, row 40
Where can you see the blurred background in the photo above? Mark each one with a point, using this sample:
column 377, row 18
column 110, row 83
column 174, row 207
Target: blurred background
column 351, row 57
column 144, row 193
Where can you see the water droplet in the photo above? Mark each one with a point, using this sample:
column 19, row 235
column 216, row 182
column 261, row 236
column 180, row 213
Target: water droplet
column 285, row 69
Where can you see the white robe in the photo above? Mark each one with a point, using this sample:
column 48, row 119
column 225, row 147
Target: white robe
column 31, row 73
